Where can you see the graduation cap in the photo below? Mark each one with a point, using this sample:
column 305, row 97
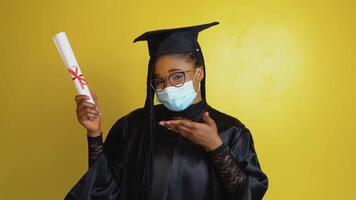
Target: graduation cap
column 175, row 40
column 171, row 41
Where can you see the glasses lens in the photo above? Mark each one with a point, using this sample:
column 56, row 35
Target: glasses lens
column 177, row 79
column 157, row 84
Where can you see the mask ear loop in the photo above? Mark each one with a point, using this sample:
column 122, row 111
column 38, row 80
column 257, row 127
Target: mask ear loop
column 199, row 81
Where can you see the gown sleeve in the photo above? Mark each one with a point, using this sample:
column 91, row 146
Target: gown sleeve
column 95, row 147
column 229, row 171
column 241, row 148
column 102, row 180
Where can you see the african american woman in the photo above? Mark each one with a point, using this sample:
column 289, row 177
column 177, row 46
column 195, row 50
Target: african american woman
column 179, row 149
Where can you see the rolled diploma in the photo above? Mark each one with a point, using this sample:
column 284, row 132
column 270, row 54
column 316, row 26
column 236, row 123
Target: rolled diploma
column 71, row 63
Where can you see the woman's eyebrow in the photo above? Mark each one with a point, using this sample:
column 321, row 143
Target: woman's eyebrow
column 175, row 69
column 171, row 70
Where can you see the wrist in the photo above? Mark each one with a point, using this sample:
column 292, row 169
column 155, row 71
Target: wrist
column 214, row 144
column 94, row 133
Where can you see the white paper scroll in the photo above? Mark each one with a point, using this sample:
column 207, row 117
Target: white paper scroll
column 69, row 60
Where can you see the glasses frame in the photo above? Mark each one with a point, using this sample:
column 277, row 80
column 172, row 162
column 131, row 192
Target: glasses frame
column 184, row 72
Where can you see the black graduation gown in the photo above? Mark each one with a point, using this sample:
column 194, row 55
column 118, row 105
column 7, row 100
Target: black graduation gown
column 181, row 169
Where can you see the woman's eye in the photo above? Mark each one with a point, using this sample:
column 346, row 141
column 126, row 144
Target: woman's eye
column 178, row 77
column 158, row 82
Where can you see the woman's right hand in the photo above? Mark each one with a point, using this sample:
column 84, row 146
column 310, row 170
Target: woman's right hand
column 88, row 114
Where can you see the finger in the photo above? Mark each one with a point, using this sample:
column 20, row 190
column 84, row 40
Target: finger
column 87, row 107
column 183, row 127
column 84, row 100
column 189, row 124
column 178, row 129
column 85, row 104
column 168, row 125
column 207, row 119
column 88, row 110
column 91, row 113
column 80, row 97
column 184, row 131
column 84, row 116
column 95, row 98
column 181, row 122
column 87, row 116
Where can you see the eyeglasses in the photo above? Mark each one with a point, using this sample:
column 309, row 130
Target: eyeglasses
column 176, row 79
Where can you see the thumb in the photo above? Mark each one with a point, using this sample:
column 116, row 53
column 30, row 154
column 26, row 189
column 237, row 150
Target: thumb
column 207, row 119
column 95, row 98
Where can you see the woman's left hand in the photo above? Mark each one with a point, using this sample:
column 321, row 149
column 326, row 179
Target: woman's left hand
column 204, row 134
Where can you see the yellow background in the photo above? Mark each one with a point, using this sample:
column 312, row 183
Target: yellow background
column 284, row 68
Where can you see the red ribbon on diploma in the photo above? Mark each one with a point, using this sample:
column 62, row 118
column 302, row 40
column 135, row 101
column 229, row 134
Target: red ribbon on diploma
column 80, row 77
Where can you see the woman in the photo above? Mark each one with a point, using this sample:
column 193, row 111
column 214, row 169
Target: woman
column 179, row 149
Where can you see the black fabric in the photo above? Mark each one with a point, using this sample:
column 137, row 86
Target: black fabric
column 181, row 169
column 176, row 40
column 231, row 174
column 95, row 147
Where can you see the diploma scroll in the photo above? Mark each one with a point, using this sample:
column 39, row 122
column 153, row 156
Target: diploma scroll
column 66, row 52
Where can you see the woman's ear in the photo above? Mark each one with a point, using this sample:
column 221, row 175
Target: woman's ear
column 200, row 73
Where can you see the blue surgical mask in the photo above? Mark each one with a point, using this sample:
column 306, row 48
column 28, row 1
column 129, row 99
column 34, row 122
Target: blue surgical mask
column 178, row 98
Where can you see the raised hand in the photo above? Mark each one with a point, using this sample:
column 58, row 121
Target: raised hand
column 204, row 134
column 88, row 114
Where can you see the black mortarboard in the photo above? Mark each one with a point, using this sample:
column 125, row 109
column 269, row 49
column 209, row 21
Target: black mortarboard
column 175, row 40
